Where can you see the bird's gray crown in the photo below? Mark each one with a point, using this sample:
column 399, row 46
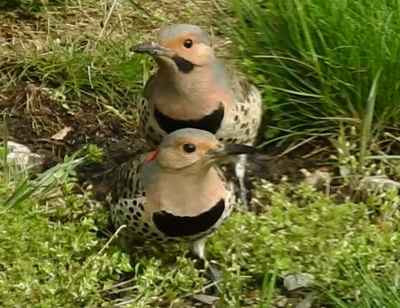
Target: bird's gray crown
column 186, row 133
column 171, row 31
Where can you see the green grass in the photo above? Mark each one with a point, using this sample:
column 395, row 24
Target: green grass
column 75, row 57
column 55, row 249
column 101, row 70
column 50, row 252
column 376, row 292
column 26, row 4
column 316, row 61
column 308, row 232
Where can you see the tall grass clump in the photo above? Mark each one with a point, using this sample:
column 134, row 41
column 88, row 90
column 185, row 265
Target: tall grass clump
column 316, row 60
column 377, row 292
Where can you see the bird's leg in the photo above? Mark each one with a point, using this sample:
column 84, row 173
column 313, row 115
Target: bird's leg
column 198, row 249
column 240, row 170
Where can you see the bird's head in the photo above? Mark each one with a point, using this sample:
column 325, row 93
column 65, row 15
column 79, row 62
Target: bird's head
column 181, row 47
column 194, row 148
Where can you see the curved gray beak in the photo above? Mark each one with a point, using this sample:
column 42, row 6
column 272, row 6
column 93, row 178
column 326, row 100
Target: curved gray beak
column 153, row 49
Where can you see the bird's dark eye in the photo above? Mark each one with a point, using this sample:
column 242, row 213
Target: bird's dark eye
column 188, row 43
column 189, row 148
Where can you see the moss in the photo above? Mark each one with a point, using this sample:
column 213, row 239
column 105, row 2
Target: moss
column 305, row 231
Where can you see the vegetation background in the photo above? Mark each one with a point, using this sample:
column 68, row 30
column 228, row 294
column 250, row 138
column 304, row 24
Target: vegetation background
column 325, row 193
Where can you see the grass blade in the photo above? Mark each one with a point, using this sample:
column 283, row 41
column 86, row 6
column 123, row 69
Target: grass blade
column 366, row 124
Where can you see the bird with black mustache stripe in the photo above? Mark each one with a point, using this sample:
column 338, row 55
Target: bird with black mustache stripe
column 192, row 88
column 176, row 193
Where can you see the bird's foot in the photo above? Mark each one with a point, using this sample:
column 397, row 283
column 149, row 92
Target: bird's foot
column 210, row 271
column 245, row 198
column 213, row 274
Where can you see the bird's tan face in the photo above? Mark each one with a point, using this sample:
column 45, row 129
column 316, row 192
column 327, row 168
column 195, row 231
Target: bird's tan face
column 184, row 49
column 195, row 152
column 187, row 46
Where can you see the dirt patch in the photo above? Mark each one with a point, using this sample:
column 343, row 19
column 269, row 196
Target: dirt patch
column 32, row 118
column 273, row 165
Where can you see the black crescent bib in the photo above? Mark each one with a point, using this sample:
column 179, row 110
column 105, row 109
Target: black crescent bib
column 211, row 122
column 180, row 226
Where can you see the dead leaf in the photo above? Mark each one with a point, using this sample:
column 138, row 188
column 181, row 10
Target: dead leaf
column 61, row 134
column 297, row 281
column 206, row 299
column 307, row 302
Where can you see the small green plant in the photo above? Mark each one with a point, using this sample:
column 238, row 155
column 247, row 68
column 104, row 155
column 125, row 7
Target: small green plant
column 361, row 176
column 94, row 154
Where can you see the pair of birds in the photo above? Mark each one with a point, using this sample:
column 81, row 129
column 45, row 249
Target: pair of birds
column 195, row 112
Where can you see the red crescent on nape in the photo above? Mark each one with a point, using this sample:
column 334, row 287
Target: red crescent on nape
column 153, row 155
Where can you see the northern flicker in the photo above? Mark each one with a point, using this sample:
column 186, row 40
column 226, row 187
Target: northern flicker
column 176, row 193
column 193, row 88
